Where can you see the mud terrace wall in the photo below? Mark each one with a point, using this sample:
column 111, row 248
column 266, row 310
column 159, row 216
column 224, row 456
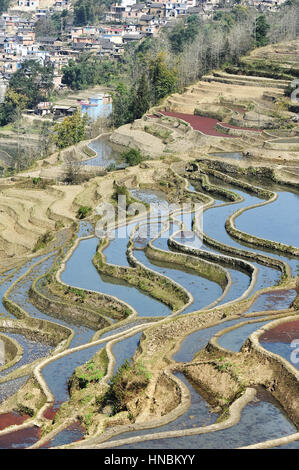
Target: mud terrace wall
column 237, row 132
column 70, row 311
column 263, row 172
column 12, row 351
column 234, row 415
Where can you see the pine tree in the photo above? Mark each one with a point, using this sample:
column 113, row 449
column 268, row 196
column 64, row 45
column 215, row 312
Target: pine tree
column 142, row 99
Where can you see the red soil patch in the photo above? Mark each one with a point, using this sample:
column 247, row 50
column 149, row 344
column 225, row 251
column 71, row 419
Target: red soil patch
column 283, row 333
column 20, row 439
column 8, row 419
column 199, row 123
column 51, row 412
column 204, row 124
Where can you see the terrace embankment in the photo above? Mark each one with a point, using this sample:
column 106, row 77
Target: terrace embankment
column 214, row 115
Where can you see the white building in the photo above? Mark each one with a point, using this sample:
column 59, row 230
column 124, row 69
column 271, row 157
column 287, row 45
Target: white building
column 28, row 4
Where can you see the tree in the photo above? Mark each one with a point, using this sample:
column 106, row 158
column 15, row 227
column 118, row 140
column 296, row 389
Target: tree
column 4, row 4
column 89, row 70
column 142, row 99
column 45, row 139
column 73, row 173
column 70, row 131
column 33, row 80
column 45, row 26
column 88, row 11
column 83, row 212
column 184, row 33
column 84, row 12
column 122, row 106
column 13, row 104
column 261, row 31
column 163, row 79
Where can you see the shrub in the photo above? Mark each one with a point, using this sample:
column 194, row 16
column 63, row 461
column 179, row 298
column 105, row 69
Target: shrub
column 132, row 157
column 43, row 241
column 111, row 167
column 130, row 379
column 83, row 212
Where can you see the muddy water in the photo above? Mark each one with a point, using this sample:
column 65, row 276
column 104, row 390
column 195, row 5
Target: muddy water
column 85, row 229
column 12, row 418
column 203, row 290
column 240, row 279
column 115, row 253
column 256, row 418
column 32, row 349
column 124, row 350
column 276, row 300
column 221, row 217
column 144, row 304
column 125, row 327
column 9, row 388
column 58, row 373
column 214, row 226
column 199, row 339
column 291, row 445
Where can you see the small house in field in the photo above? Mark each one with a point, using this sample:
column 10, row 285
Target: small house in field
column 43, row 108
column 64, row 111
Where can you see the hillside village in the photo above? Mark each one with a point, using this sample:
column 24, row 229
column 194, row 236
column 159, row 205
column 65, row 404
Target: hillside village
column 122, row 23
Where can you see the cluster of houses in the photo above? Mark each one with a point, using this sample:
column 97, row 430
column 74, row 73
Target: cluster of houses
column 99, row 106
column 124, row 22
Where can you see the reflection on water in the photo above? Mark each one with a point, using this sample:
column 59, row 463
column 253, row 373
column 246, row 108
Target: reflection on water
column 277, row 300
column 82, row 256
column 277, row 221
column 106, row 154
column 233, row 340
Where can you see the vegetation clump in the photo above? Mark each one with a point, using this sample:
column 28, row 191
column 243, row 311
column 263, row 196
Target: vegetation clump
column 43, row 241
column 128, row 382
column 91, row 372
column 132, row 157
column 83, row 212
column 70, row 131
